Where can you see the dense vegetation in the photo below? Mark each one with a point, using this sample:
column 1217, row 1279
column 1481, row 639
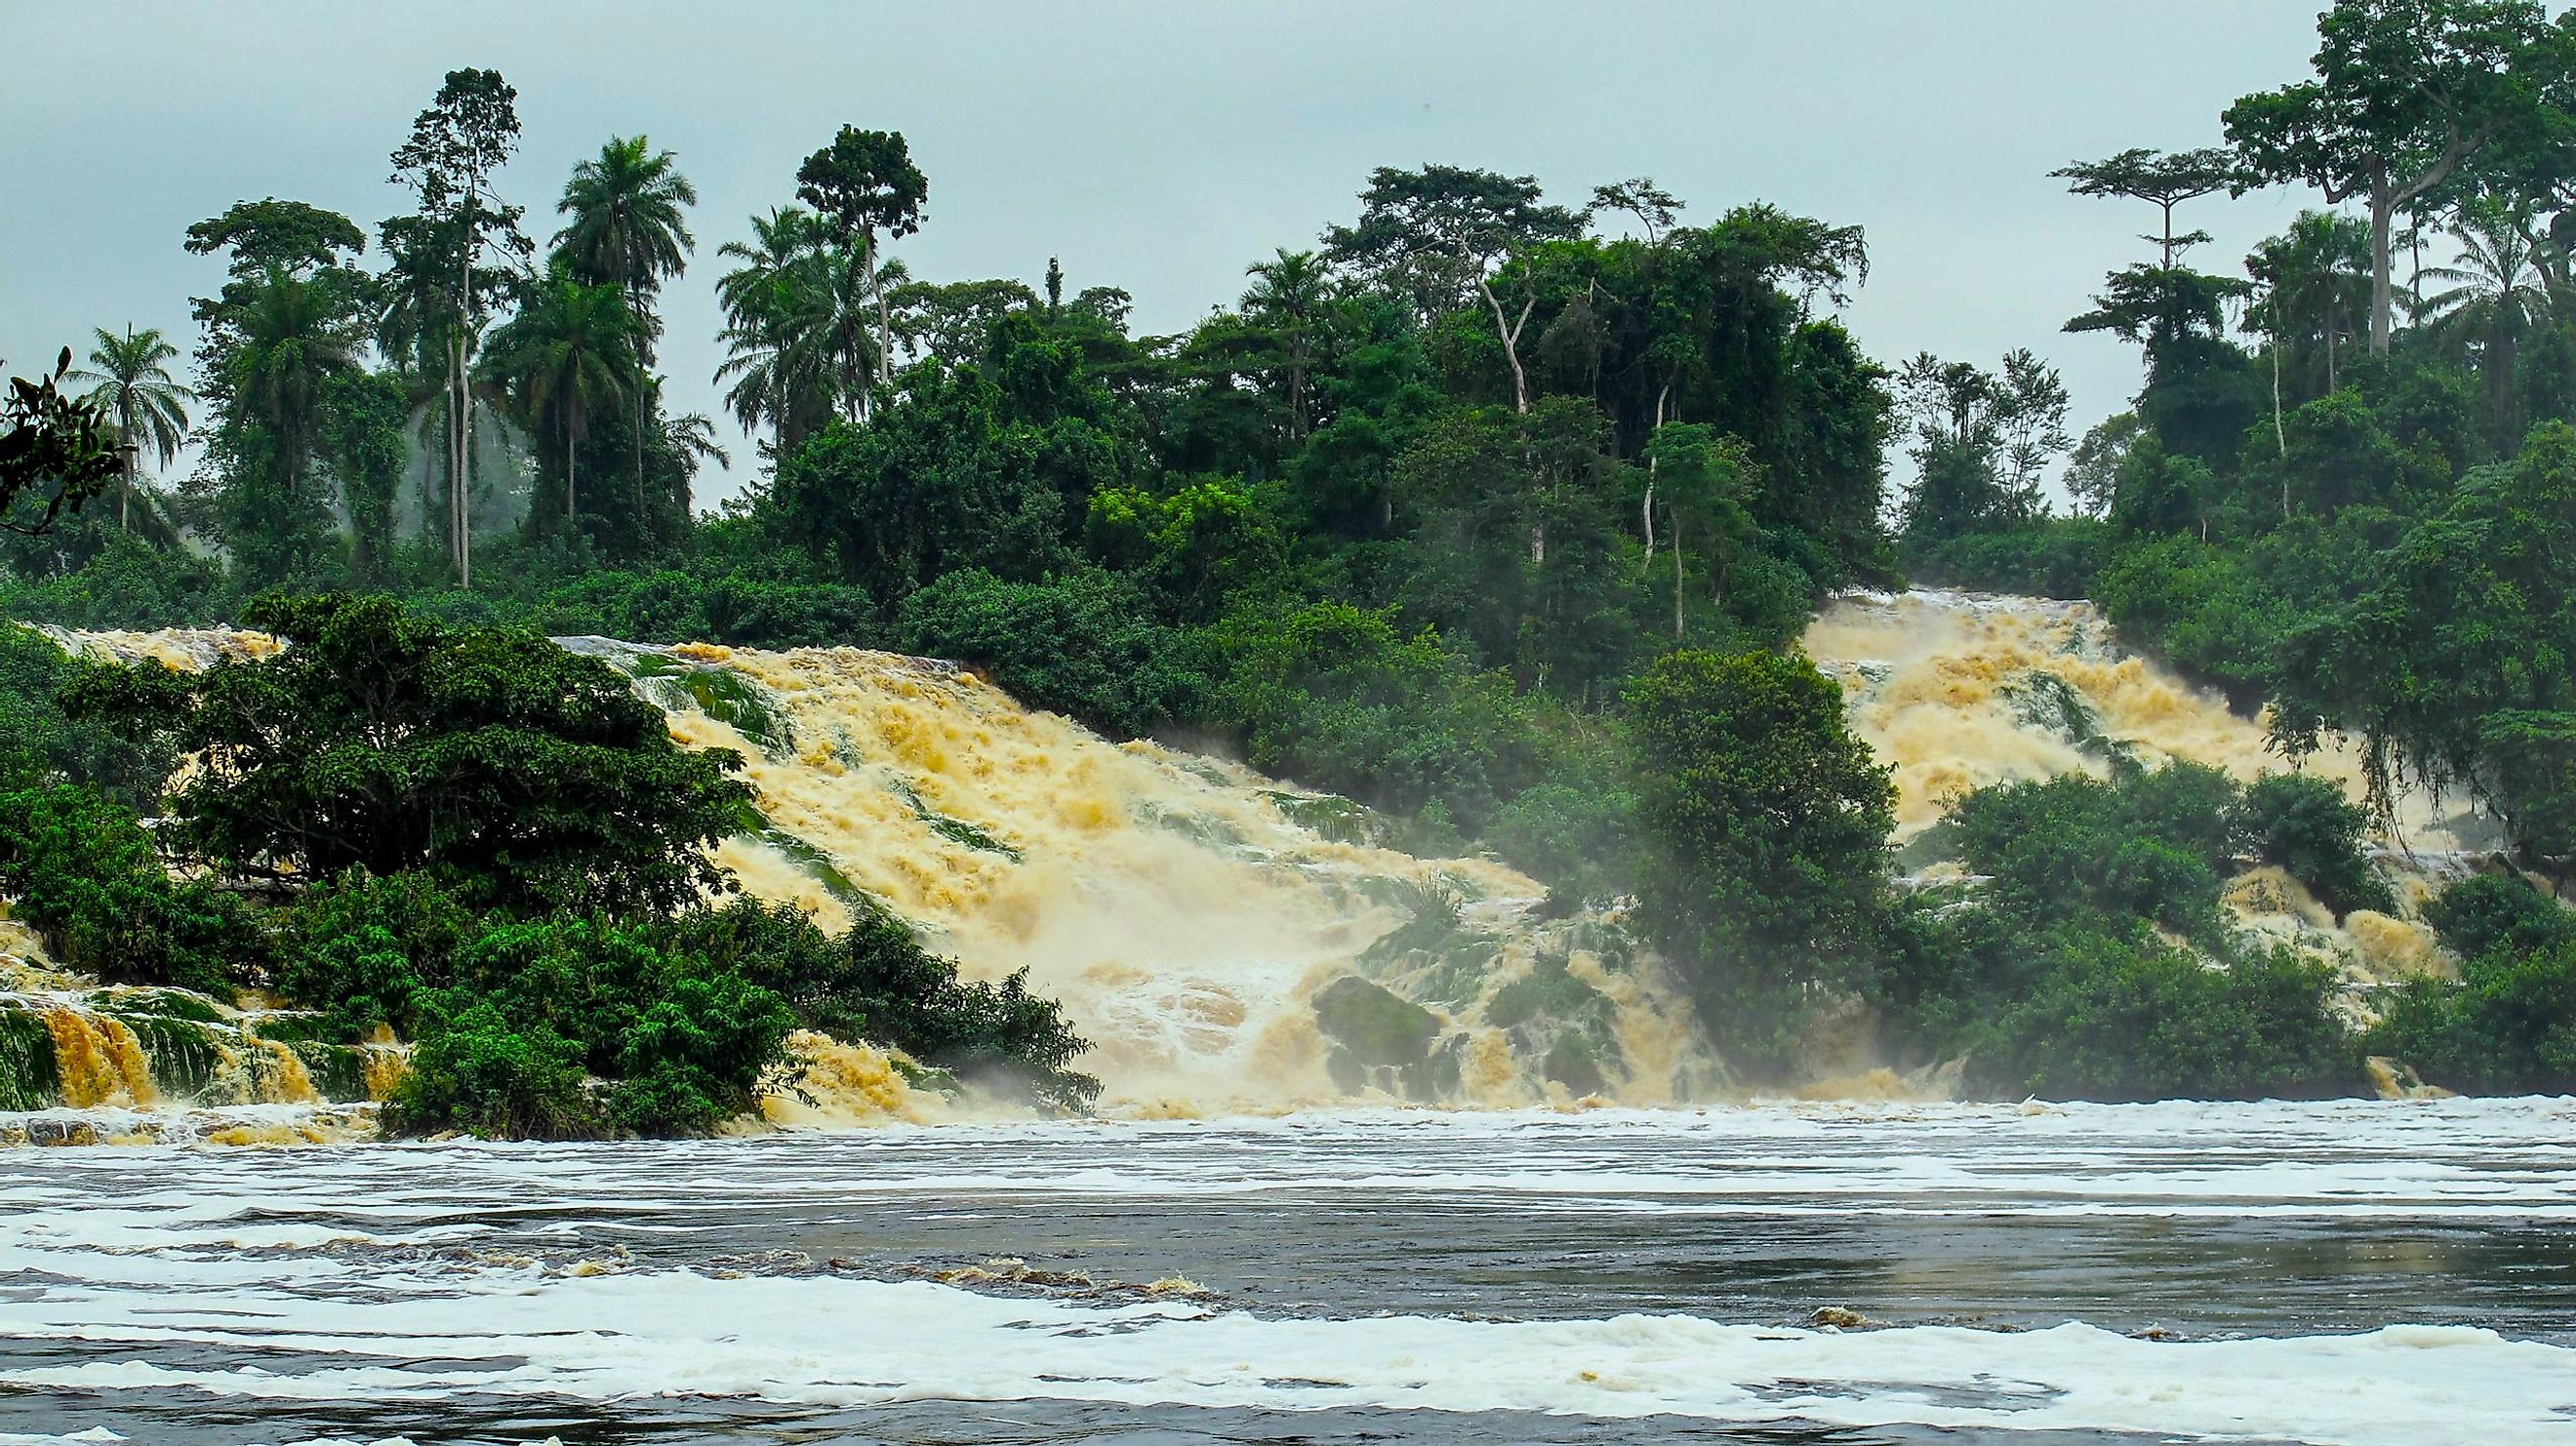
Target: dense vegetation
column 1495, row 513
column 476, row 839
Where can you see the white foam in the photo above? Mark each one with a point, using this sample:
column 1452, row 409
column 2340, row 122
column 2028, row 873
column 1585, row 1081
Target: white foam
column 835, row 1342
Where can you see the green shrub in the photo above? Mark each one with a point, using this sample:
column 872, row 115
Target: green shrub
column 1336, row 698
column 479, row 1068
column 876, row 983
column 2508, row 1024
column 2056, row 558
column 364, row 949
column 2095, row 1011
column 2149, row 845
column 2486, row 912
column 1771, row 820
column 85, row 873
column 678, row 1041
column 39, row 743
column 2309, row 828
column 385, row 740
column 1085, row 645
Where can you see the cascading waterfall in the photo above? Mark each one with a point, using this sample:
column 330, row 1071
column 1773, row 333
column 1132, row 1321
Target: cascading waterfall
column 1962, row 690
column 1229, row 943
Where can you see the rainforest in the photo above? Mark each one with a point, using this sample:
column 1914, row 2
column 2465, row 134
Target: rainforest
column 1524, row 657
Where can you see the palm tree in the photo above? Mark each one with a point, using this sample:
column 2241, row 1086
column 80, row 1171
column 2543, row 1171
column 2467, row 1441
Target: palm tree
column 692, row 439
column 135, row 387
column 569, row 349
column 796, row 328
column 2316, row 293
column 2497, row 293
column 295, row 336
column 413, row 331
column 1287, row 296
column 626, row 231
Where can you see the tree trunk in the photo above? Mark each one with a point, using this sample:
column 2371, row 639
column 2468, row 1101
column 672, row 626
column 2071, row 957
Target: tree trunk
column 1677, row 578
column 2383, row 209
column 572, row 514
column 1647, row 514
column 885, row 318
column 2280, row 436
column 635, row 314
column 1510, row 332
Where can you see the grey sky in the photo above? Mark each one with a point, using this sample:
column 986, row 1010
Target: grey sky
column 1158, row 146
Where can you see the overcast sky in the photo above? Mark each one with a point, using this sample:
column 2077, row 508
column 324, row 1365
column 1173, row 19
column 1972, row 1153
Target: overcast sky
column 1159, row 146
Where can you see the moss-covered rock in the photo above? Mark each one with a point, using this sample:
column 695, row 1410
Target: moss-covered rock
column 29, row 1078
column 1373, row 1025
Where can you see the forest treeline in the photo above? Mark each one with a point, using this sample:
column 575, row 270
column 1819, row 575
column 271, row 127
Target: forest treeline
column 1500, row 512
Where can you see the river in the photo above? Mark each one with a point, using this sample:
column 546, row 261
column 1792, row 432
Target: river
column 2376, row 1273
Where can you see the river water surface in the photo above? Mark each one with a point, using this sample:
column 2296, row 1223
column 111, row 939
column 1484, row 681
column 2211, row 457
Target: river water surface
column 2352, row 1272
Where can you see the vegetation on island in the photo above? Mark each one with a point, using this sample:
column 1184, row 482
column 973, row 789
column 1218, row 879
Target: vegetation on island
column 1496, row 513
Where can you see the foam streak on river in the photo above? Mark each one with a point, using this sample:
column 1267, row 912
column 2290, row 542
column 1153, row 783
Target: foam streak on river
column 2353, row 1272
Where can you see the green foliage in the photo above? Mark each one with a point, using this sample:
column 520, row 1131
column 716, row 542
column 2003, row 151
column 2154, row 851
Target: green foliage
column 479, row 1070
column 2508, row 1025
column 367, row 950
column 40, row 744
column 383, row 740
column 2457, row 660
column 875, row 982
column 2063, row 848
column 2308, row 827
column 676, row 1041
column 2092, row 1010
column 1085, row 644
column 1338, row 699
column 56, row 451
column 2056, row 557
column 2058, row 973
column 1772, row 821
column 84, row 872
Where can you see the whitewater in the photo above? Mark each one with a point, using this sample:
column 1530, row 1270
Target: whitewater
column 2368, row 1273
column 1386, row 1148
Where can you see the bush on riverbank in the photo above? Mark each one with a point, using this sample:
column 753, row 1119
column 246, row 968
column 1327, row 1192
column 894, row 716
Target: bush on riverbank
column 2507, row 1025
column 2095, row 961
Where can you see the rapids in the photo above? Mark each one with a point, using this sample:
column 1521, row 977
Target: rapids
column 1231, row 943
column 2355, row 1272
column 1962, row 690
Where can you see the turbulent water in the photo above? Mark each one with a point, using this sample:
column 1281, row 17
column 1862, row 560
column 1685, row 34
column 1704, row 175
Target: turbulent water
column 2381, row 1274
column 1232, row 943
column 1963, row 690
column 1259, row 1244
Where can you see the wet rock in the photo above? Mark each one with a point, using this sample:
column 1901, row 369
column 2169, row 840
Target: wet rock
column 1372, row 1025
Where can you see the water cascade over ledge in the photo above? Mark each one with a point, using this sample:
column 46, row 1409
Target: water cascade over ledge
column 1228, row 942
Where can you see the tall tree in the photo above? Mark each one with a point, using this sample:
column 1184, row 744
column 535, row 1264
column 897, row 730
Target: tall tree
column 1440, row 232
column 569, row 350
column 862, row 183
column 2493, row 296
column 1654, row 207
column 132, row 381
column 796, row 334
column 468, row 132
column 2160, row 178
column 2407, row 91
column 295, row 340
column 626, row 230
column 2316, row 293
column 1287, row 297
